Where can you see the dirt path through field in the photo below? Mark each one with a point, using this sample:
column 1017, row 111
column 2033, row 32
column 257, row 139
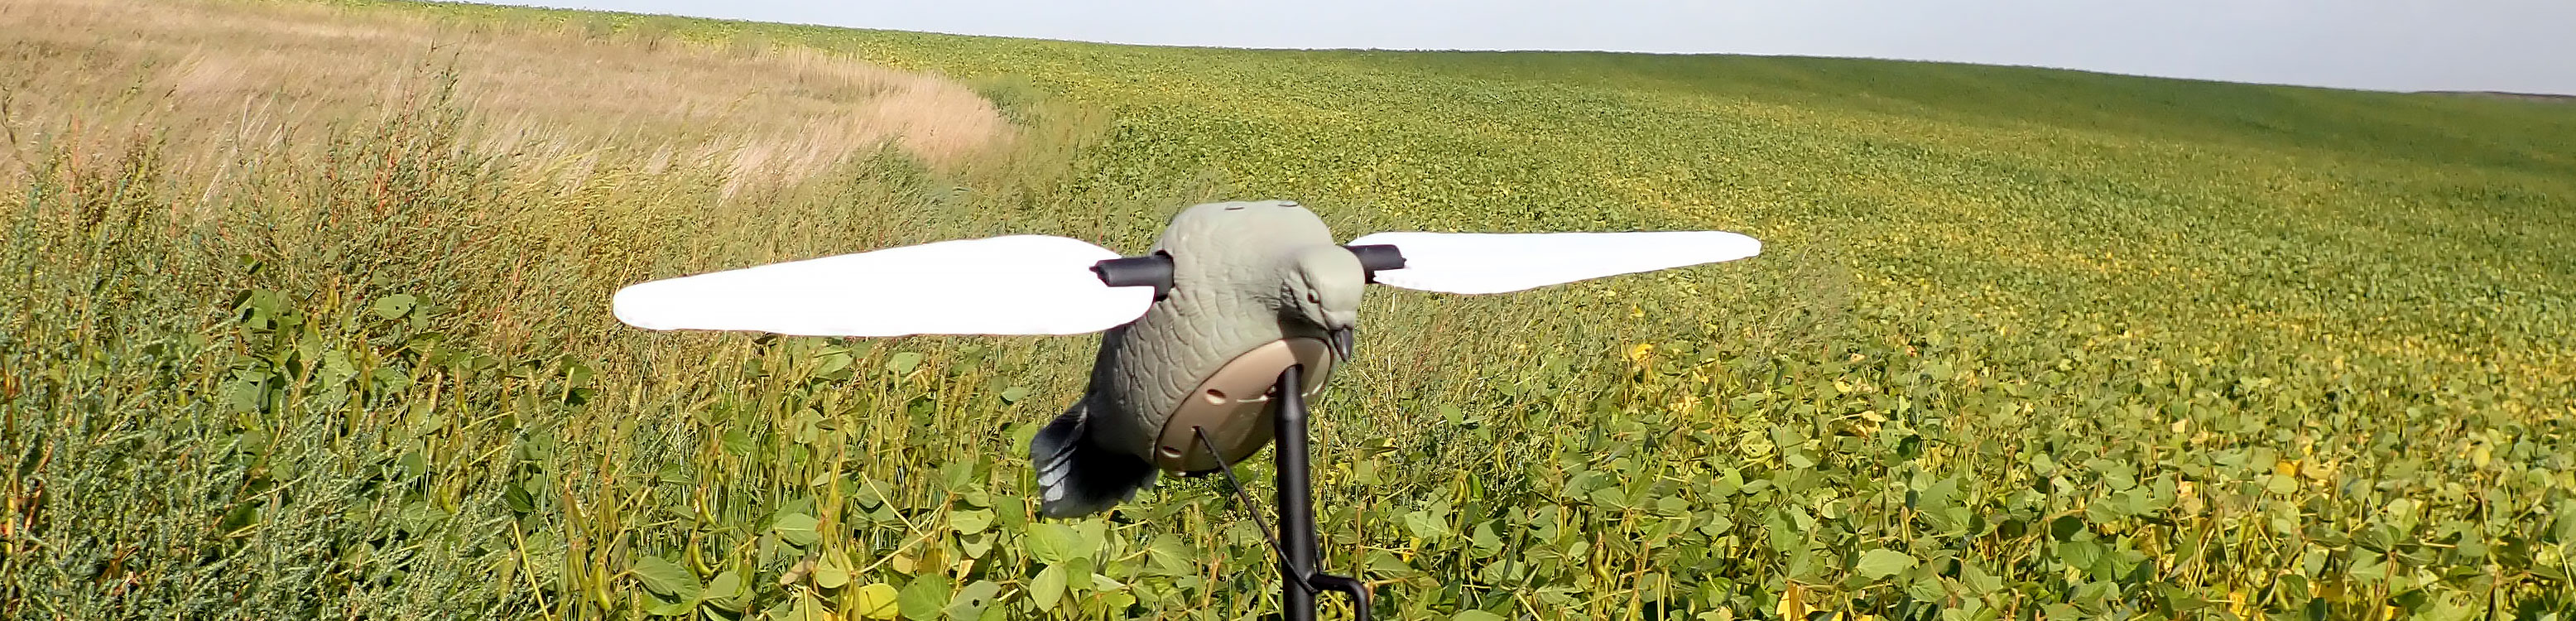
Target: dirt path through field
column 228, row 74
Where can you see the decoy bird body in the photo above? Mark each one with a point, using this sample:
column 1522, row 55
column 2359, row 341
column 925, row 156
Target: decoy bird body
column 1246, row 277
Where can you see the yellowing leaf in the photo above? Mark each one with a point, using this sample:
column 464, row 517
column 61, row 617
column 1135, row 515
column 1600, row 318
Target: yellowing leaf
column 833, row 572
column 1793, row 602
column 876, row 601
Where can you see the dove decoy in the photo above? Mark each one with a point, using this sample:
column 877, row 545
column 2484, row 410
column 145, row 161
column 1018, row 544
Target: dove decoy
column 1252, row 288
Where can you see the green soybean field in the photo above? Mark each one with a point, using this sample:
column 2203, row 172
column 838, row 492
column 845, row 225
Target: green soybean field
column 304, row 314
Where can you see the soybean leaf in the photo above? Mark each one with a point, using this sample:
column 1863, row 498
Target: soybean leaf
column 664, row 577
column 797, row 529
column 1048, row 587
column 924, row 598
column 1881, row 563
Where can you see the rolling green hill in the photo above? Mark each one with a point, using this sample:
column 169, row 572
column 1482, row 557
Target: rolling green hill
column 2024, row 343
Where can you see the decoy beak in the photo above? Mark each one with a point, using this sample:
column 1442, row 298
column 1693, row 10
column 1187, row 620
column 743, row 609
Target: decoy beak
column 1342, row 341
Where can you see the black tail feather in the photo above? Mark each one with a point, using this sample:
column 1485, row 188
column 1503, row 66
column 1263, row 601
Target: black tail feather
column 1076, row 478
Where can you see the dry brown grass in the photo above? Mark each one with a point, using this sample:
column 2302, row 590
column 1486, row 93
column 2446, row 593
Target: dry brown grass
column 221, row 78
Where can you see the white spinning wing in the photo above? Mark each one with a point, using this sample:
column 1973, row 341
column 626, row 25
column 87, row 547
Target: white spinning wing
column 1503, row 262
column 1019, row 284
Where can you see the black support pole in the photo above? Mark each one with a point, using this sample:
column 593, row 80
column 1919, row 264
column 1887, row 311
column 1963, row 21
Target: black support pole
column 1297, row 560
column 1296, row 502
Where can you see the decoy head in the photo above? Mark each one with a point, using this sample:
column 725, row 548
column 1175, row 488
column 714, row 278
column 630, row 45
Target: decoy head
column 1323, row 289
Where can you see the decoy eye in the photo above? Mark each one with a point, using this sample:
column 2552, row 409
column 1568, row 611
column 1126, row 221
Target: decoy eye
column 1312, row 299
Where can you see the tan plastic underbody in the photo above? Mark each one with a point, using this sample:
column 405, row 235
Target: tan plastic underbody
column 1234, row 406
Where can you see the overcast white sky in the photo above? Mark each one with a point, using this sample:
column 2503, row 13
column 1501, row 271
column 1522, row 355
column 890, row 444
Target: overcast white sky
column 2506, row 45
